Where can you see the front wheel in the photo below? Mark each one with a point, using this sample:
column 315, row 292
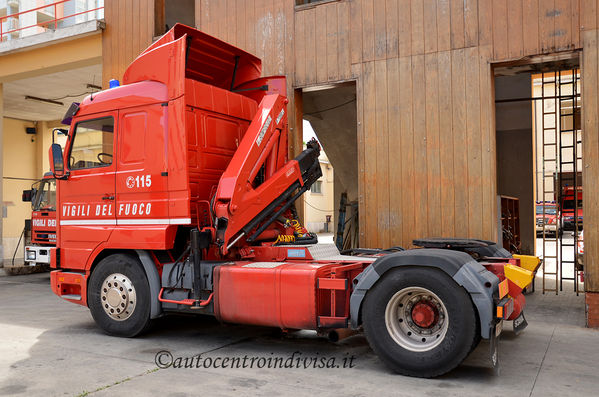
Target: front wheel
column 420, row 322
column 119, row 296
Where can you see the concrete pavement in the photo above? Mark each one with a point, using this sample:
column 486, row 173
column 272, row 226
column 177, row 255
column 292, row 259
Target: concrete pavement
column 52, row 347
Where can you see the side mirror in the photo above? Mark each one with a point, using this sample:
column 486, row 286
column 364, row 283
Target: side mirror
column 27, row 195
column 56, row 161
column 60, row 131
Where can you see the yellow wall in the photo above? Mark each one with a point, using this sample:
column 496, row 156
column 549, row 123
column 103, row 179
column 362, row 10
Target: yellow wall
column 19, row 161
column 318, row 206
column 24, row 156
column 84, row 51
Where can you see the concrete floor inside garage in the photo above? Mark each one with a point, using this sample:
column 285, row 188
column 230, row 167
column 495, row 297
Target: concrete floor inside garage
column 52, row 347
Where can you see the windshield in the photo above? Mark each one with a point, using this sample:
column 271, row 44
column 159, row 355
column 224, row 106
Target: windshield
column 548, row 210
column 45, row 196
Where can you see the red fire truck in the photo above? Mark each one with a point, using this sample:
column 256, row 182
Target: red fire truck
column 40, row 230
column 175, row 194
column 571, row 208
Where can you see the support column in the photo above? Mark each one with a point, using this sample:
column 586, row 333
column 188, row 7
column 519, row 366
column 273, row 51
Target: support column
column 40, row 141
column 1, row 173
column 590, row 172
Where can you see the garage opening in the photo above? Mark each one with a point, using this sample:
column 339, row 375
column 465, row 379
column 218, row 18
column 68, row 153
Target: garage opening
column 331, row 206
column 168, row 13
column 539, row 166
column 33, row 107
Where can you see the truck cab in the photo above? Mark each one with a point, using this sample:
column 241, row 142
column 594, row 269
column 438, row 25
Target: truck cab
column 40, row 230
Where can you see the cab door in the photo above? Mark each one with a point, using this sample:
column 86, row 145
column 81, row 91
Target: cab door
column 87, row 197
column 142, row 178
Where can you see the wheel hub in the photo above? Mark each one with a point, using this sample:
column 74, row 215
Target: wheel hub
column 118, row 296
column 424, row 314
column 416, row 319
column 113, row 297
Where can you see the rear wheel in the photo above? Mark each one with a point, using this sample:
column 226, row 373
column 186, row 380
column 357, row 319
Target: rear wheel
column 419, row 321
column 119, row 296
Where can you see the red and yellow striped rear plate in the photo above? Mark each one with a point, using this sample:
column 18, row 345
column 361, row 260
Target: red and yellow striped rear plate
column 503, row 288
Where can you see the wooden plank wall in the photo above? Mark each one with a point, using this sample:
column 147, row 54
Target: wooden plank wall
column 426, row 128
column 425, row 92
column 262, row 27
column 428, row 138
column 590, row 148
column 370, row 30
column 129, row 30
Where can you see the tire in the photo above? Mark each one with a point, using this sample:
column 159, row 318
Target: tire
column 391, row 329
column 118, row 296
column 477, row 335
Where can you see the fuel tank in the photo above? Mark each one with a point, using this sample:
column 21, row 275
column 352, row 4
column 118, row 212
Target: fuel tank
column 273, row 294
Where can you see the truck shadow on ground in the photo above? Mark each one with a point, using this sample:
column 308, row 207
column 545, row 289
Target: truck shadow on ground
column 69, row 353
column 67, row 341
column 69, row 349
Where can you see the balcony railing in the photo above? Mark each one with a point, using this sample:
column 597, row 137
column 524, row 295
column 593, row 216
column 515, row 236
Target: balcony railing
column 50, row 20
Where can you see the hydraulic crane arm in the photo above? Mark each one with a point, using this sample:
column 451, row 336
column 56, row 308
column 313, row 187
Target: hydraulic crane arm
column 259, row 184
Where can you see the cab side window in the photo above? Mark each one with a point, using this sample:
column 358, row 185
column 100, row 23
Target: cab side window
column 92, row 144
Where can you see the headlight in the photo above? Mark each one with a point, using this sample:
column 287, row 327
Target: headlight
column 31, row 255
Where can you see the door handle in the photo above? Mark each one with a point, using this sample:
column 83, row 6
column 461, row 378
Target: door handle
column 108, row 197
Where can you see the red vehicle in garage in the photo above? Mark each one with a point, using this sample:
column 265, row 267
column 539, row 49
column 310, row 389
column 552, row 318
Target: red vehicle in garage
column 571, row 209
column 40, row 230
column 173, row 191
column 547, row 218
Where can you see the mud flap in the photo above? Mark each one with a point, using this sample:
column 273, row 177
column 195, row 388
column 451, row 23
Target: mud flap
column 493, row 348
column 520, row 323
